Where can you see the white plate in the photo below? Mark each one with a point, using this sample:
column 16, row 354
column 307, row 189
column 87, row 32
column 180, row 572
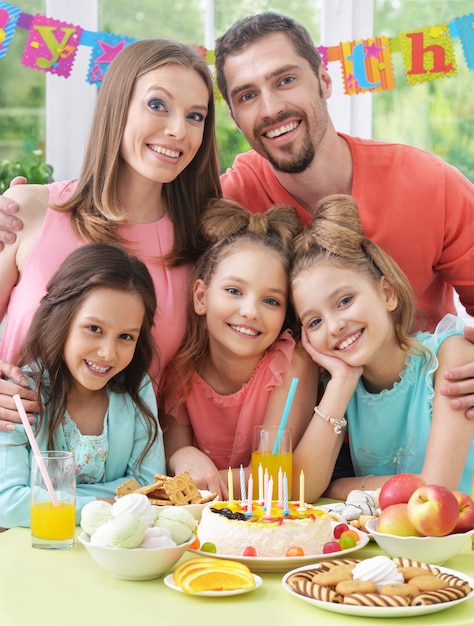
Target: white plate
column 283, row 564
column 381, row 611
column 168, row 580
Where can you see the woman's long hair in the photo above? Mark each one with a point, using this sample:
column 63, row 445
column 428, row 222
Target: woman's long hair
column 90, row 267
column 95, row 206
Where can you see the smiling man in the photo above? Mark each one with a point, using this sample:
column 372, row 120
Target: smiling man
column 414, row 205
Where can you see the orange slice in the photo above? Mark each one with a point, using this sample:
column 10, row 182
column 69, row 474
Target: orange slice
column 217, row 580
column 208, row 574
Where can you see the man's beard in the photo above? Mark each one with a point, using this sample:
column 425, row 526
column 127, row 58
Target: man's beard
column 294, row 162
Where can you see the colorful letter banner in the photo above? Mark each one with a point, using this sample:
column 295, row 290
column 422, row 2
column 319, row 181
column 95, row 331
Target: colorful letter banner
column 427, row 52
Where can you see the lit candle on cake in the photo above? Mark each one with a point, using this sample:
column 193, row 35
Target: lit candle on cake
column 242, row 485
column 260, row 484
column 230, row 485
column 302, row 490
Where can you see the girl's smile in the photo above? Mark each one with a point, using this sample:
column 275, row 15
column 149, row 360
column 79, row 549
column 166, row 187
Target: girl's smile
column 247, row 295
column 345, row 314
column 102, row 337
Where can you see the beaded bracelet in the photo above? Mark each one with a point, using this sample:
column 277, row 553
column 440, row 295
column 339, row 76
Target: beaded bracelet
column 338, row 424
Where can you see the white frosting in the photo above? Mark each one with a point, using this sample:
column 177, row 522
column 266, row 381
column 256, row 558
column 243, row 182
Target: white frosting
column 271, row 539
column 379, row 569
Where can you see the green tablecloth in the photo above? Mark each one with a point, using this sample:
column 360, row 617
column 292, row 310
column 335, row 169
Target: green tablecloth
column 67, row 588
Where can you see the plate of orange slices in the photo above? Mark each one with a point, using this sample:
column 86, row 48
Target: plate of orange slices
column 212, row 577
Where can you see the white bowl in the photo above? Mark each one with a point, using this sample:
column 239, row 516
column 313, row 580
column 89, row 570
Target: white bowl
column 194, row 509
column 434, row 550
column 135, row 563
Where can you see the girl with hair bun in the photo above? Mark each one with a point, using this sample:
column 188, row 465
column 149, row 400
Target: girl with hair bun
column 356, row 310
column 235, row 366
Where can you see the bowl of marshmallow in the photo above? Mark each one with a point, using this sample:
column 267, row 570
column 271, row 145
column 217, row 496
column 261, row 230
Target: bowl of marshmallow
column 133, row 539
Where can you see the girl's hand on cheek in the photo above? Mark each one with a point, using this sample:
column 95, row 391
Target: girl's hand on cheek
column 335, row 366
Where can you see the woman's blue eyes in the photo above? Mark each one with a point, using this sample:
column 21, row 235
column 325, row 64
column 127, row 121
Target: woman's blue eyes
column 159, row 106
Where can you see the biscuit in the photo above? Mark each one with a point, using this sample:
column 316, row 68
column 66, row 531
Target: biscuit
column 447, row 594
column 329, row 563
column 181, row 489
column 349, row 587
column 303, row 586
column 130, row 486
column 406, row 562
column 375, row 599
column 428, row 582
column 333, row 576
column 398, row 589
column 168, row 490
column 455, row 581
column 409, row 572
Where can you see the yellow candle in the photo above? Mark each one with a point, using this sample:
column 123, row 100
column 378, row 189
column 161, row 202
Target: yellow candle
column 301, row 490
column 230, row 484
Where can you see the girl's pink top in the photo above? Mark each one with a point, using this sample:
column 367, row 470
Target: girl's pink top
column 57, row 240
column 223, row 425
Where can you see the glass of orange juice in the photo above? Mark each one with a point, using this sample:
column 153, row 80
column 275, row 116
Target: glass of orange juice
column 272, row 457
column 53, row 524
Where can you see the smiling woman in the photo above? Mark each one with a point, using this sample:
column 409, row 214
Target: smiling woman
column 149, row 169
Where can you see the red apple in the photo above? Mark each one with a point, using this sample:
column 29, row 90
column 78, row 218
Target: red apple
column 466, row 512
column 399, row 488
column 394, row 521
column 433, row 510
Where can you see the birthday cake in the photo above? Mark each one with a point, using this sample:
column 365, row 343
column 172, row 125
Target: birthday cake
column 235, row 531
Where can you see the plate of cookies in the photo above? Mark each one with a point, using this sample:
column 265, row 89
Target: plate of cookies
column 379, row 587
column 179, row 490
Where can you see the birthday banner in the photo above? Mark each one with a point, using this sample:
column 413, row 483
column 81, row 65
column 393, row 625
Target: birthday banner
column 366, row 64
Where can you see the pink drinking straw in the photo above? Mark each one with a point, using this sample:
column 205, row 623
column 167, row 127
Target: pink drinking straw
column 36, row 450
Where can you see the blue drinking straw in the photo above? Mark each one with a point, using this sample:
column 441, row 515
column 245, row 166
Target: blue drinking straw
column 286, row 412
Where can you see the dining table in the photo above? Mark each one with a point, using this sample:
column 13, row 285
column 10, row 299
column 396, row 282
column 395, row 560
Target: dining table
column 67, row 588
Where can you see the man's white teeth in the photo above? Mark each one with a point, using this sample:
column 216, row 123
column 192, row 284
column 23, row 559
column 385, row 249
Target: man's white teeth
column 100, row 370
column 169, row 153
column 348, row 342
column 245, row 331
column 280, row 131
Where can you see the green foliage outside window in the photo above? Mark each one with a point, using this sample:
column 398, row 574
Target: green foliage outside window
column 32, row 166
column 437, row 116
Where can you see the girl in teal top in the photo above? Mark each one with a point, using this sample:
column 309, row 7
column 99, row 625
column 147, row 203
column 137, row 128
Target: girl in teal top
column 87, row 355
column 356, row 310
